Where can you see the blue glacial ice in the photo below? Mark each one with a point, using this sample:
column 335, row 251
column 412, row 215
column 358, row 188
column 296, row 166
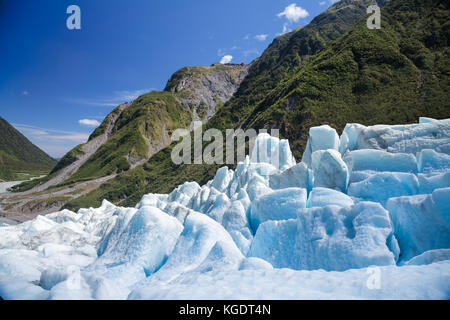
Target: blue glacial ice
column 422, row 222
column 296, row 176
column 329, row 170
column 380, row 160
column 375, row 197
column 411, row 138
column 379, row 187
column 321, row 197
column 277, row 205
column 329, row 238
column 320, row 138
column 432, row 181
column 429, row 257
column 431, row 161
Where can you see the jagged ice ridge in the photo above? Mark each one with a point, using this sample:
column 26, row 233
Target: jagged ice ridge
column 270, row 229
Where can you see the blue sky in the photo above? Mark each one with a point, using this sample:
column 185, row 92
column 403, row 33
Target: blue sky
column 56, row 83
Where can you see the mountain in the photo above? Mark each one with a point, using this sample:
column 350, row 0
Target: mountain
column 287, row 53
column 392, row 75
column 279, row 62
column 133, row 132
column 333, row 71
column 206, row 87
column 18, row 154
column 363, row 215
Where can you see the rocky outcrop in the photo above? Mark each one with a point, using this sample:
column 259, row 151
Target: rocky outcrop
column 203, row 88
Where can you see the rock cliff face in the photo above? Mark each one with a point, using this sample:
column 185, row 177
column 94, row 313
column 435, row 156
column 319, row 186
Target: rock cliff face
column 203, row 88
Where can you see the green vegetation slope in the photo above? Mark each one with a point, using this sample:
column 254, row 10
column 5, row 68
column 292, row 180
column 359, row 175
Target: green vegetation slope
column 279, row 62
column 130, row 135
column 391, row 75
column 18, row 154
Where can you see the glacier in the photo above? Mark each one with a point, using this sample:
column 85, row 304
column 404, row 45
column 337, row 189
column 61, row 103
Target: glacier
column 371, row 206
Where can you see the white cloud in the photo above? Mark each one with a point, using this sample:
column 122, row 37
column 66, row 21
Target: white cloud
column 261, row 37
column 246, row 37
column 322, row 3
column 89, row 122
column 25, row 92
column 226, row 59
column 294, row 13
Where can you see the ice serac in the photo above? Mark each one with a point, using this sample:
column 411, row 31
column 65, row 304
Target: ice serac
column 153, row 200
column 426, row 120
column 320, row 138
column 296, row 176
column 219, row 206
column 141, row 247
column 342, row 238
column 257, row 187
column 222, row 179
column 410, row 138
column 432, row 161
column 222, row 257
column 380, row 160
column 329, row 170
column 117, row 224
column 271, row 150
column 429, row 257
column 350, row 136
column 277, row 205
column 199, row 236
column 184, row 193
column 421, row 222
column 330, row 238
column 235, row 221
column 379, row 187
column 321, row 197
column 429, row 182
column 275, row 242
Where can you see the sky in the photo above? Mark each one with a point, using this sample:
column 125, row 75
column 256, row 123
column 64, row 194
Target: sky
column 57, row 84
